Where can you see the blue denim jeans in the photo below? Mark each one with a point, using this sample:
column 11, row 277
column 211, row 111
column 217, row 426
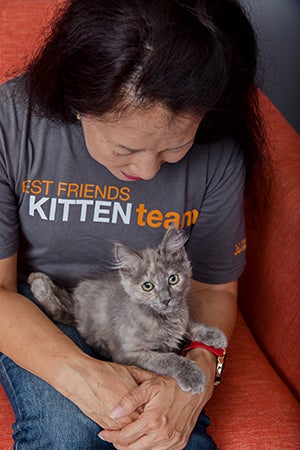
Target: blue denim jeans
column 44, row 419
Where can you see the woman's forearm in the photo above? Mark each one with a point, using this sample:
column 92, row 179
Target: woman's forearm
column 30, row 339
column 215, row 305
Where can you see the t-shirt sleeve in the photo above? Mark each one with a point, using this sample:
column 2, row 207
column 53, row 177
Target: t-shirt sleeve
column 8, row 216
column 217, row 243
column 8, row 163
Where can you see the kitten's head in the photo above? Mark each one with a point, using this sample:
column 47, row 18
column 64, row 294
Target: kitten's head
column 158, row 278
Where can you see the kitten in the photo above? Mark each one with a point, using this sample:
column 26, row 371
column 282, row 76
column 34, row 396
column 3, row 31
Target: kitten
column 137, row 313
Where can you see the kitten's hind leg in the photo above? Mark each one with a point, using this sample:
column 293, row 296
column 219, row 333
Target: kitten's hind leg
column 57, row 302
column 211, row 336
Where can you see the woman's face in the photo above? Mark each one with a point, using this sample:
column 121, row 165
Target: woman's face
column 133, row 146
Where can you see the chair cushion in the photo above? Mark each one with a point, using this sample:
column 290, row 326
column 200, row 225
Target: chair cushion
column 269, row 288
column 21, row 32
column 6, row 420
column 252, row 408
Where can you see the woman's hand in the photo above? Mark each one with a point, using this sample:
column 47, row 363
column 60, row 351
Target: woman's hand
column 97, row 386
column 169, row 414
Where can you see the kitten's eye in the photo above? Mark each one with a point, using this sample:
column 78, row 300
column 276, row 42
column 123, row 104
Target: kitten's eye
column 148, row 286
column 173, row 279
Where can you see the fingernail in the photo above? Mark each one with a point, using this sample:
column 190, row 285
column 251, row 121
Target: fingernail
column 102, row 438
column 117, row 412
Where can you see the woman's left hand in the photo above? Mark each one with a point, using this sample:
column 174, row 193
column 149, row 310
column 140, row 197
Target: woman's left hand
column 168, row 417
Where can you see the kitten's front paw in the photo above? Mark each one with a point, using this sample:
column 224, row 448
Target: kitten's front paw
column 192, row 379
column 215, row 338
column 211, row 336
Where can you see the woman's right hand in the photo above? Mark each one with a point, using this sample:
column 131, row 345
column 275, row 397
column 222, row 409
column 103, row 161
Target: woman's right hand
column 96, row 387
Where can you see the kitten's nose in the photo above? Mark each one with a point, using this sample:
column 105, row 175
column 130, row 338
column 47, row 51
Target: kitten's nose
column 166, row 300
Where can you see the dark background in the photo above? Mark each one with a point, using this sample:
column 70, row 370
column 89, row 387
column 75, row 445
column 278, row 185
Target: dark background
column 277, row 23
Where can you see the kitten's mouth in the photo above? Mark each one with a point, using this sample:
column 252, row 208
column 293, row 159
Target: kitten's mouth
column 164, row 308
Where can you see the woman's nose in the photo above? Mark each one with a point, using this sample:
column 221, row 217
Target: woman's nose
column 147, row 167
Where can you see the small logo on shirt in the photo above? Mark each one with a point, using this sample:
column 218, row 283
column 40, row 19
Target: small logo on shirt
column 240, row 247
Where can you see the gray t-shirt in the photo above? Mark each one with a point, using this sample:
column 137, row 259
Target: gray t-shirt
column 62, row 210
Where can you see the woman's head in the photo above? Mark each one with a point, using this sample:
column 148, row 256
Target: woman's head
column 191, row 57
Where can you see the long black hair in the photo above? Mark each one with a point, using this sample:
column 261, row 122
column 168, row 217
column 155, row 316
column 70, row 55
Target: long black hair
column 194, row 56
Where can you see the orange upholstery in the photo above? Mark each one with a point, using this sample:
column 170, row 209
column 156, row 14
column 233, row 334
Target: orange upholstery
column 255, row 407
column 20, row 24
column 252, row 409
column 6, row 420
column 269, row 289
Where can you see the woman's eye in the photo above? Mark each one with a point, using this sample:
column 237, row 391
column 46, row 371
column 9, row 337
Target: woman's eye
column 173, row 279
column 121, row 155
column 148, row 286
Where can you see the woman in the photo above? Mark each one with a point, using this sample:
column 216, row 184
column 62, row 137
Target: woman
column 135, row 116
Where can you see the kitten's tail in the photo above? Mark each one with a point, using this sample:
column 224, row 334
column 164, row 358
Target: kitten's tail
column 57, row 302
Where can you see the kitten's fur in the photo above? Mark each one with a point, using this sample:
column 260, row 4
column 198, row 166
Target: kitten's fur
column 136, row 314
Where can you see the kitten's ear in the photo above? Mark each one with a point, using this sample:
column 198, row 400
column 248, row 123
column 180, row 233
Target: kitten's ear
column 173, row 241
column 127, row 259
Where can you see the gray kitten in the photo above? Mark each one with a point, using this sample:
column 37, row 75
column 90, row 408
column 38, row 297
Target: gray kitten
column 137, row 313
